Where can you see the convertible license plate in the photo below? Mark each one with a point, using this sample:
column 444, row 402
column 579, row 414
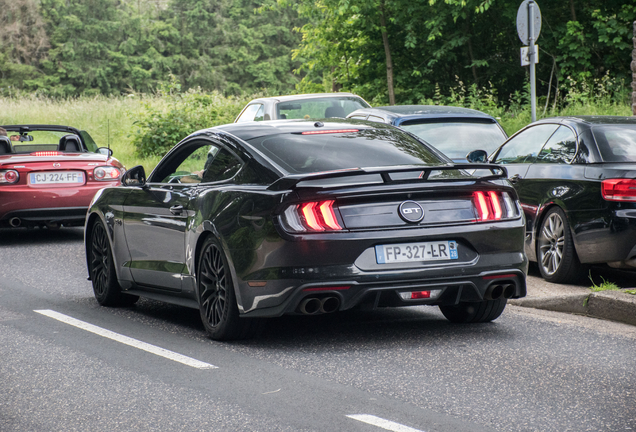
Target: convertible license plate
column 416, row 252
column 57, row 177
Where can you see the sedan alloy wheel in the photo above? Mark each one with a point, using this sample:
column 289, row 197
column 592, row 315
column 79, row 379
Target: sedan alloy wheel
column 556, row 255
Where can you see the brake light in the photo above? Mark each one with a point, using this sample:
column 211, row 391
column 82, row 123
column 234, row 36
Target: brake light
column 9, row 176
column 482, row 206
column 494, row 200
column 45, row 153
column 619, row 190
column 333, row 131
column 315, row 216
column 493, row 205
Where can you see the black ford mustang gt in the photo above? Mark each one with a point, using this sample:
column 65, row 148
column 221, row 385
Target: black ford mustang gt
column 256, row 220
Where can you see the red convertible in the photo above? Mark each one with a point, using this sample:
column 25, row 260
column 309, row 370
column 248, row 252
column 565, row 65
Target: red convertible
column 50, row 174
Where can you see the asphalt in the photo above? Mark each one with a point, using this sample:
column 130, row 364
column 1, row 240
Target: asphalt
column 579, row 299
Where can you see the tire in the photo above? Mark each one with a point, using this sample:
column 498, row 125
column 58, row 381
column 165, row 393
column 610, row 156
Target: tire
column 556, row 257
column 102, row 270
column 474, row 312
column 217, row 300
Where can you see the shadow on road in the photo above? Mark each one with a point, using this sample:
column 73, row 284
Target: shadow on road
column 597, row 273
column 39, row 236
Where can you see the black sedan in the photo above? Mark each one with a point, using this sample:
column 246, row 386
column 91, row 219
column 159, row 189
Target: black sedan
column 256, row 220
column 454, row 131
column 575, row 177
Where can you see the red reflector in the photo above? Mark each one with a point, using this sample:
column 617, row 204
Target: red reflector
column 619, row 189
column 420, row 295
column 333, row 131
column 45, row 153
column 334, row 288
column 506, row 276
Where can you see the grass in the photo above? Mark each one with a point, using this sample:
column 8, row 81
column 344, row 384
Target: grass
column 107, row 119
column 604, row 286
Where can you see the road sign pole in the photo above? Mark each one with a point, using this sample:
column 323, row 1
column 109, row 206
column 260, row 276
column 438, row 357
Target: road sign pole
column 531, row 54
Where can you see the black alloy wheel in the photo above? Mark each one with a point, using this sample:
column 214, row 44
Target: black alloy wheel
column 217, row 301
column 474, row 312
column 102, row 270
column 556, row 256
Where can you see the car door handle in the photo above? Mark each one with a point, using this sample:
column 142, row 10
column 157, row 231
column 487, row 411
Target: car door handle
column 176, row 210
column 515, row 178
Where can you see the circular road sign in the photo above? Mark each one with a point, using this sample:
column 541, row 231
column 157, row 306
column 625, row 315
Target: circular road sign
column 522, row 22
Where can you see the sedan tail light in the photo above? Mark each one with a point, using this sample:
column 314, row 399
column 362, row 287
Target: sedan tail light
column 9, row 176
column 494, row 205
column 619, row 190
column 105, row 173
column 315, row 216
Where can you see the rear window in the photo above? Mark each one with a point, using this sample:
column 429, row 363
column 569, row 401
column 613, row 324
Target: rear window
column 617, row 143
column 457, row 139
column 319, row 107
column 303, row 154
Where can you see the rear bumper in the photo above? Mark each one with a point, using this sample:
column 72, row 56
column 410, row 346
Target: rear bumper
column 59, row 205
column 68, row 216
column 285, row 272
column 372, row 295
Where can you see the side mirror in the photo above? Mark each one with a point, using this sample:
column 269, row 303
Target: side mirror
column 477, row 156
column 136, row 176
column 105, row 151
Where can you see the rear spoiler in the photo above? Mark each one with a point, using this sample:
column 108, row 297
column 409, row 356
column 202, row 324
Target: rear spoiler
column 290, row 181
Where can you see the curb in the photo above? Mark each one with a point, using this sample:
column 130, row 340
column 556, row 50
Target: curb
column 610, row 305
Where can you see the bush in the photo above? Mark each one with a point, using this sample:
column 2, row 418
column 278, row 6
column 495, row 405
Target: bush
column 159, row 128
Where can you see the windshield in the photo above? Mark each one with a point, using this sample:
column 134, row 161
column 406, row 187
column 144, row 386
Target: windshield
column 319, row 107
column 36, row 140
column 303, row 154
column 457, row 139
column 617, row 143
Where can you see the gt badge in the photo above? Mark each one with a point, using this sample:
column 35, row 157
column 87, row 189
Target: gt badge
column 411, row 211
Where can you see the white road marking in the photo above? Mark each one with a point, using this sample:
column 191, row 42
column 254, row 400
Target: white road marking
column 188, row 361
column 382, row 423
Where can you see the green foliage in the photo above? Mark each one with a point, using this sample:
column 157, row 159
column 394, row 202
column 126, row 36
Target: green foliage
column 433, row 42
column 159, row 128
column 604, row 286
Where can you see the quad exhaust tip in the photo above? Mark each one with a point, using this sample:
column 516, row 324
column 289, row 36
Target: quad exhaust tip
column 493, row 292
column 315, row 305
column 15, row 222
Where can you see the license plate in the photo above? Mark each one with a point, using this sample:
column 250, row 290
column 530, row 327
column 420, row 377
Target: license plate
column 57, row 177
column 416, row 252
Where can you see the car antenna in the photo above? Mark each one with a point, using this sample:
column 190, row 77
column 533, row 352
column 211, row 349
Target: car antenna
column 108, row 137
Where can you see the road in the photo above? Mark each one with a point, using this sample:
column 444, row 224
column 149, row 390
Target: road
column 399, row 369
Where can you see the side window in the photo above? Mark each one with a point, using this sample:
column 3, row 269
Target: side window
column 560, row 148
column 249, row 113
column 525, row 147
column 188, row 165
column 222, row 166
column 259, row 114
column 376, row 119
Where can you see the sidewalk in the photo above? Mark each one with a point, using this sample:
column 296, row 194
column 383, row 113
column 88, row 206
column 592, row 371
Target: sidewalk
column 579, row 299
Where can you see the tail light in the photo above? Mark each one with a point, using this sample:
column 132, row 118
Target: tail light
column 105, row 173
column 619, row 190
column 9, row 176
column 494, row 205
column 315, row 216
